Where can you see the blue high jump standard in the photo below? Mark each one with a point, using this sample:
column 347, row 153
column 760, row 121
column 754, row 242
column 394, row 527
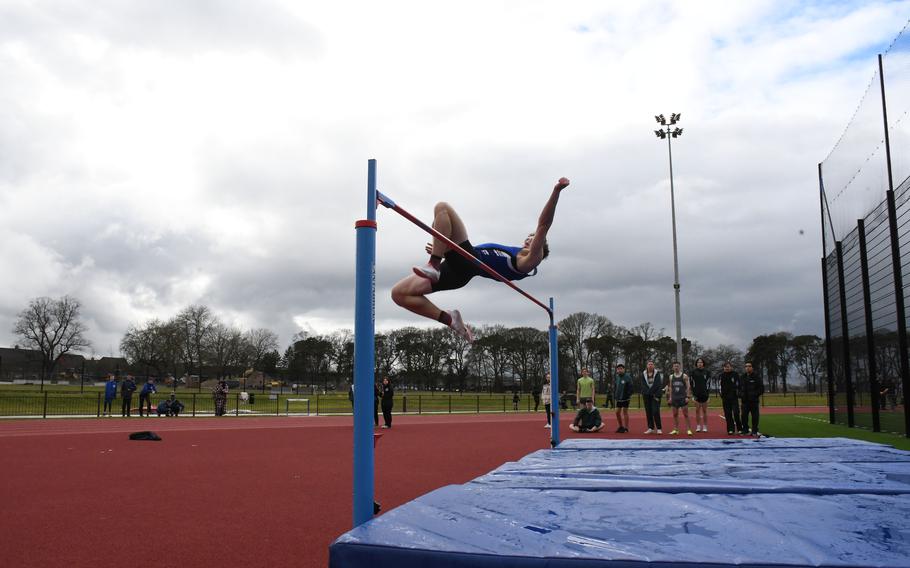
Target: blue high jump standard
column 595, row 502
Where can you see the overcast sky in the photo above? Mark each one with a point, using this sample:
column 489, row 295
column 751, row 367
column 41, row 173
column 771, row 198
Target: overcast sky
column 159, row 154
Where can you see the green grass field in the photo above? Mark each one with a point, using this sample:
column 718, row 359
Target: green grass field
column 73, row 400
column 811, row 425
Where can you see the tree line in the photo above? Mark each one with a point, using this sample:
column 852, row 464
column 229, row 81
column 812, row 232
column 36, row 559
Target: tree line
column 195, row 342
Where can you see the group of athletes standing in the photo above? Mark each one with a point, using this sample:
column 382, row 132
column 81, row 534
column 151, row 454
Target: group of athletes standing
column 741, row 396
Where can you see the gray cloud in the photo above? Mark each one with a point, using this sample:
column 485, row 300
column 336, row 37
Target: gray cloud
column 114, row 190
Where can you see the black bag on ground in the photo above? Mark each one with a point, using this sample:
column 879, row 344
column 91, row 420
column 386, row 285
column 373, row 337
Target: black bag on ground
column 146, row 435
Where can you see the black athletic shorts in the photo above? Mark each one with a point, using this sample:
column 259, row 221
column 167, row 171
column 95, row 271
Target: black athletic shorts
column 623, row 404
column 456, row 271
column 701, row 398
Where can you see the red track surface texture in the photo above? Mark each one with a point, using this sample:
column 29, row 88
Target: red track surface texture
column 228, row 491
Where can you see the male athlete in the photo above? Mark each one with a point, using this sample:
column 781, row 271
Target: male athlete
column 448, row 270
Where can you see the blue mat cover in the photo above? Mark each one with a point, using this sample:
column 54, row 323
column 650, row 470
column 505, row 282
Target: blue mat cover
column 767, row 502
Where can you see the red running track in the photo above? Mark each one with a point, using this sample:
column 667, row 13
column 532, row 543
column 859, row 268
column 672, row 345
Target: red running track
column 231, row 491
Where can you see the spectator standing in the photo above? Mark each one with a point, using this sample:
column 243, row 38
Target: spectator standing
column 536, row 395
column 584, row 388
column 127, row 388
column 622, row 393
column 679, row 391
column 652, row 388
column 219, row 396
column 729, row 394
column 351, row 395
column 145, row 396
column 700, row 393
column 377, row 395
column 547, row 395
column 516, row 398
column 588, row 419
column 110, row 393
column 388, row 394
column 751, row 389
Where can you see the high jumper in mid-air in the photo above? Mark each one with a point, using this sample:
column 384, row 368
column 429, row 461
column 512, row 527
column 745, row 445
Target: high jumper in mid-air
column 449, row 270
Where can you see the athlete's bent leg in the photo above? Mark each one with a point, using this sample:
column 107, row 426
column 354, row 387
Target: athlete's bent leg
column 410, row 293
column 447, row 222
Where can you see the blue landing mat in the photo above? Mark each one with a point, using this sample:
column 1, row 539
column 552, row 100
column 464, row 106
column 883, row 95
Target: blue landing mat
column 767, row 502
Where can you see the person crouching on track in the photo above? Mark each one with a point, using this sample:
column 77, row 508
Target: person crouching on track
column 588, row 419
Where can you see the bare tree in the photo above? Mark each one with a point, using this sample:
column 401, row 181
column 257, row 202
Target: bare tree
column 259, row 343
column 809, row 358
column 576, row 330
column 157, row 345
column 195, row 322
column 223, row 346
column 52, row 327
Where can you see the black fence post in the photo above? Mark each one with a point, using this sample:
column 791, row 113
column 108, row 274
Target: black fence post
column 237, row 403
column 829, row 353
column 450, row 404
column 871, row 364
column 419, row 404
column 44, row 413
column 194, row 404
column 99, row 405
column 845, row 331
column 478, row 403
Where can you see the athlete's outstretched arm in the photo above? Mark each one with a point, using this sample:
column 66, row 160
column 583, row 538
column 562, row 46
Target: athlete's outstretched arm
column 545, row 221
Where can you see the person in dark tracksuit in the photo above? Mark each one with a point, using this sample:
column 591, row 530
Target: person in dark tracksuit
column 110, row 393
column 622, row 392
column 377, row 394
column 652, row 389
column 127, row 388
column 700, row 378
column 388, row 394
column 588, row 418
column 145, row 396
column 751, row 390
column 729, row 394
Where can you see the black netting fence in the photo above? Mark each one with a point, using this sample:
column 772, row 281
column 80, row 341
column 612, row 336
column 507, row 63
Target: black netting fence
column 867, row 251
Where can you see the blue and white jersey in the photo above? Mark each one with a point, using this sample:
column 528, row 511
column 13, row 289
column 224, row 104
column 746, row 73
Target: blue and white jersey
column 501, row 258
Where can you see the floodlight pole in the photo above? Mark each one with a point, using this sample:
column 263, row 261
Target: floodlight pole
column 668, row 134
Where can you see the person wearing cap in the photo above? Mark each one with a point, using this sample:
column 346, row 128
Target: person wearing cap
column 622, row 393
column 448, row 270
column 588, row 419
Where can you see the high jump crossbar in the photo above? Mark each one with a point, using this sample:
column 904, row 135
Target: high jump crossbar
column 365, row 341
